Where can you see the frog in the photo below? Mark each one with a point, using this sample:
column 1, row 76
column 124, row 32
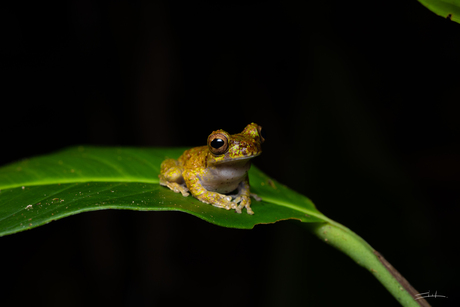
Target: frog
column 217, row 173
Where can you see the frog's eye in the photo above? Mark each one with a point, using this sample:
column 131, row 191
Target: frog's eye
column 218, row 143
column 261, row 133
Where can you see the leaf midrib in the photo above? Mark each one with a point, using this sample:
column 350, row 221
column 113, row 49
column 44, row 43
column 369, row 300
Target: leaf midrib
column 79, row 180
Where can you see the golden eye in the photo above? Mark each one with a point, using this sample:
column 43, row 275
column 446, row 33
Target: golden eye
column 218, row 143
column 261, row 133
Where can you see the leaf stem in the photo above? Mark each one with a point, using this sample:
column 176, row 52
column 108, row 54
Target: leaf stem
column 363, row 254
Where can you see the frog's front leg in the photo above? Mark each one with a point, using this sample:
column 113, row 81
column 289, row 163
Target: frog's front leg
column 208, row 197
column 244, row 196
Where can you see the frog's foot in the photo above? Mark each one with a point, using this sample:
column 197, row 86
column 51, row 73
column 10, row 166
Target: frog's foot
column 177, row 188
column 217, row 200
column 244, row 202
column 256, row 197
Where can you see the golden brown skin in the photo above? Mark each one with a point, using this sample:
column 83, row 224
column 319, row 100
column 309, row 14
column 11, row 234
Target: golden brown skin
column 210, row 172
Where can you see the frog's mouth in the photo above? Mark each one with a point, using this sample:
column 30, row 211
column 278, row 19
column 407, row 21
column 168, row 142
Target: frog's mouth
column 225, row 159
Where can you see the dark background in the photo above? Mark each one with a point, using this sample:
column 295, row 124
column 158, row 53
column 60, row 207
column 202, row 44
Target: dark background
column 359, row 102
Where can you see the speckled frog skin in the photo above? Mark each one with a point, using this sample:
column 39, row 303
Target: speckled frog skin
column 211, row 172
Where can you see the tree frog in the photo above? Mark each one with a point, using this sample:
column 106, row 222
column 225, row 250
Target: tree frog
column 211, row 173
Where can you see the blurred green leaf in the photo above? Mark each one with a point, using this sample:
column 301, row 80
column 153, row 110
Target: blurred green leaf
column 445, row 8
column 37, row 191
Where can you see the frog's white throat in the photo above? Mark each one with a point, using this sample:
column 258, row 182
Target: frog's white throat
column 225, row 177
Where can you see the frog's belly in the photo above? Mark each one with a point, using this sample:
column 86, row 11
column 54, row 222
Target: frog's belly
column 224, row 179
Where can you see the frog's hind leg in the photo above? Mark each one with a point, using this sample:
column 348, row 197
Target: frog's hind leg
column 177, row 188
column 171, row 177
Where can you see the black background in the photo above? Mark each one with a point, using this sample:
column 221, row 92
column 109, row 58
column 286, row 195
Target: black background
column 359, row 102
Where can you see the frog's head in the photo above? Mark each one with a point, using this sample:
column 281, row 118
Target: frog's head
column 224, row 147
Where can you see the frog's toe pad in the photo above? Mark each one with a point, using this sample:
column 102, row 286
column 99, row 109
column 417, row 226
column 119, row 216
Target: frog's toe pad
column 244, row 202
column 256, row 197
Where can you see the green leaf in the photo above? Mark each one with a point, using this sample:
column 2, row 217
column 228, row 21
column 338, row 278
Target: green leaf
column 37, row 191
column 445, row 8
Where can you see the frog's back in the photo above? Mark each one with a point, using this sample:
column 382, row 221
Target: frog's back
column 194, row 158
